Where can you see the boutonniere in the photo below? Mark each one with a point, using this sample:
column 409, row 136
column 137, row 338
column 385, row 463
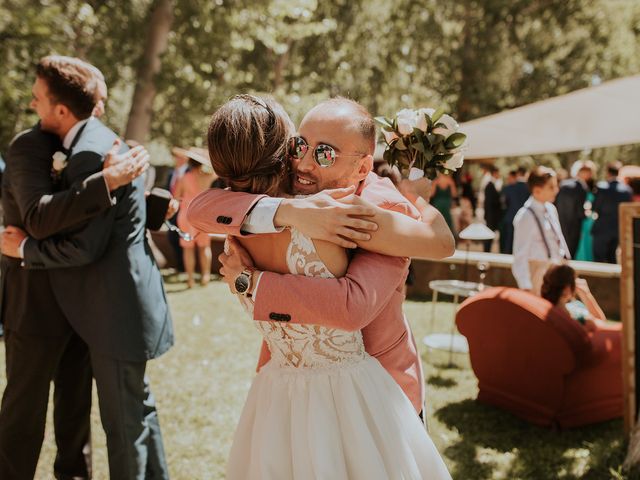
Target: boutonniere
column 59, row 164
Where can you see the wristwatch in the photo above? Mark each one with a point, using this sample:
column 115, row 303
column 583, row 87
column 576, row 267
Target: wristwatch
column 243, row 281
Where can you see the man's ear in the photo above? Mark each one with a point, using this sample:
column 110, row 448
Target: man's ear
column 61, row 110
column 366, row 165
column 64, row 113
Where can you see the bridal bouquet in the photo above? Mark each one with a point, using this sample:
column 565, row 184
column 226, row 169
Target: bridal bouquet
column 422, row 142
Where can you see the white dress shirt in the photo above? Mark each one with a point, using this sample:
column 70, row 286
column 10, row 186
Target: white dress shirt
column 73, row 131
column 529, row 244
column 260, row 220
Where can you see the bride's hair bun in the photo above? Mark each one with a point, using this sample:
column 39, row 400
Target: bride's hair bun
column 247, row 144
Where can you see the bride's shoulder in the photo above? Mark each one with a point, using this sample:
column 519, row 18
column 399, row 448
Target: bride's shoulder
column 331, row 255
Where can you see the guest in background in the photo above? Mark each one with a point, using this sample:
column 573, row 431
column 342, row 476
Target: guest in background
column 493, row 212
column 585, row 245
column 485, row 179
column 181, row 163
column 468, row 201
column 562, row 174
column 538, row 237
column 630, row 174
column 571, row 203
column 466, row 182
column 609, row 195
column 561, row 286
column 198, row 178
column 443, row 192
column 512, row 177
column 513, row 198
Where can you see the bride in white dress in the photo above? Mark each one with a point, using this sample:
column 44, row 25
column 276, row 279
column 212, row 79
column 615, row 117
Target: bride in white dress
column 321, row 408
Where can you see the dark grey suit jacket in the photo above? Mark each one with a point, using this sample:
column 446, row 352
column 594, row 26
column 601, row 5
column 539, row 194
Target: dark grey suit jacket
column 515, row 195
column 103, row 274
column 570, row 205
column 27, row 302
column 608, row 197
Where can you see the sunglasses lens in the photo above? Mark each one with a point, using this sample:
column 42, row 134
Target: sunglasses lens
column 297, row 147
column 325, row 155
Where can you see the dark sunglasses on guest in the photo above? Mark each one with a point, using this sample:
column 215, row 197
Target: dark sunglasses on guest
column 323, row 154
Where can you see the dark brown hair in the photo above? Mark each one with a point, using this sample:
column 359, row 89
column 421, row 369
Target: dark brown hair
column 71, row 82
column 247, row 144
column 613, row 168
column 555, row 280
column 539, row 176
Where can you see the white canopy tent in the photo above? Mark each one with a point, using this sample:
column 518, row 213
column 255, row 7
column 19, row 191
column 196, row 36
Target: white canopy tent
column 599, row 116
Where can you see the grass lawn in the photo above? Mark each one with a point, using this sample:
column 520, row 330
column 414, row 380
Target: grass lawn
column 200, row 386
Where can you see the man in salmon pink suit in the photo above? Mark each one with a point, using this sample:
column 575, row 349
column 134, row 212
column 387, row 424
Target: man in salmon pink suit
column 370, row 296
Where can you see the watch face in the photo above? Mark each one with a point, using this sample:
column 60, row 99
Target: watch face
column 242, row 283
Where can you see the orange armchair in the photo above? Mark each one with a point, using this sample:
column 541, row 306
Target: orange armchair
column 535, row 361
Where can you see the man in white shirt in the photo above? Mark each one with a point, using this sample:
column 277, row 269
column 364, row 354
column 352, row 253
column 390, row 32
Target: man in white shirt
column 537, row 232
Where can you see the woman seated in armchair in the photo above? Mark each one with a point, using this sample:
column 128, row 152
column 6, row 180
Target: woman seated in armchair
column 562, row 287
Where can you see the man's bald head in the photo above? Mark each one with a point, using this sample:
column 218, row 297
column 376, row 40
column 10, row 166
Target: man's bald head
column 354, row 115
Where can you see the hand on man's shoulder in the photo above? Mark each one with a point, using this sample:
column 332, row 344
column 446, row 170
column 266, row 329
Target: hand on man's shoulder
column 382, row 192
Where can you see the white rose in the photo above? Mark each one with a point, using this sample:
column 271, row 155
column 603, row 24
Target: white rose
column 59, row 161
column 428, row 111
column 454, row 162
column 407, row 121
column 450, row 126
column 422, row 121
column 389, row 136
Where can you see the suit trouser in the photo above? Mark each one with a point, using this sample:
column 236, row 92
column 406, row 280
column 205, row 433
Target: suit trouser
column 507, row 245
column 129, row 419
column 604, row 249
column 32, row 362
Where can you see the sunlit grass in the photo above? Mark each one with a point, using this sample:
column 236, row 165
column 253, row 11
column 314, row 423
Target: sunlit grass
column 201, row 384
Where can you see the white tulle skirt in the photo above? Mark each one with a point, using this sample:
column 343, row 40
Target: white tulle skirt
column 342, row 422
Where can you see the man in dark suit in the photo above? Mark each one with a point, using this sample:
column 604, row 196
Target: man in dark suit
column 609, row 195
column 493, row 211
column 513, row 196
column 103, row 276
column 570, row 202
column 40, row 344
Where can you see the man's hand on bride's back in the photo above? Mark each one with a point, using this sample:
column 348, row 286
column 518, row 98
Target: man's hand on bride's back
column 338, row 216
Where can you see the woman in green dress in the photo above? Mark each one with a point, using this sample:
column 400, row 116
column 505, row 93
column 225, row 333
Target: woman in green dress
column 442, row 194
column 585, row 245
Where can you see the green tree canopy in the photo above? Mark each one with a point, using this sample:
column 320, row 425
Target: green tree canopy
column 473, row 57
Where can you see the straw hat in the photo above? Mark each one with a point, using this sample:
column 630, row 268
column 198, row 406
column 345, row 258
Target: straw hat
column 200, row 155
column 629, row 171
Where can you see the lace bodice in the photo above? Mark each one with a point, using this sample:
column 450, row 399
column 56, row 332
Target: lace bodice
column 302, row 345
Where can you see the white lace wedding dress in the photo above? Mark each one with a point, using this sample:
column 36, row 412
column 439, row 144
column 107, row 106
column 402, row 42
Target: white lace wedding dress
column 322, row 408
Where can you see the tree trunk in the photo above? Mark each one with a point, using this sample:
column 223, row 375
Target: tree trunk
column 282, row 61
column 464, row 105
column 139, row 123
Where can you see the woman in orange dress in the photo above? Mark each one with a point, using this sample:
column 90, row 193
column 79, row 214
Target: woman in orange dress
column 197, row 179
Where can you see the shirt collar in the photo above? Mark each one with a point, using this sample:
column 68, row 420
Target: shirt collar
column 536, row 205
column 71, row 134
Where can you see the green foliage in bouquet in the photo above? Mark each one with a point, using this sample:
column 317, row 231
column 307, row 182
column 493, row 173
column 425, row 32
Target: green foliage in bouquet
column 422, row 142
